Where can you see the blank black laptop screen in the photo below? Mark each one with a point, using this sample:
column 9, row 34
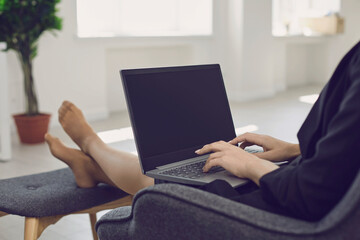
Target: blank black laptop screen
column 176, row 110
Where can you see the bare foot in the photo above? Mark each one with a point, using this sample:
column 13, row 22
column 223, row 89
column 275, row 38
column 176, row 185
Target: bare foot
column 86, row 170
column 75, row 125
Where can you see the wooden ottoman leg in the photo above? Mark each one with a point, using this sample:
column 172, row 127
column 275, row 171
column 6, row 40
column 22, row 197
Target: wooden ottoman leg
column 35, row 226
column 93, row 220
column 31, row 228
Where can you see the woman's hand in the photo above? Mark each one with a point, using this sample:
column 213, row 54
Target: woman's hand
column 275, row 150
column 235, row 160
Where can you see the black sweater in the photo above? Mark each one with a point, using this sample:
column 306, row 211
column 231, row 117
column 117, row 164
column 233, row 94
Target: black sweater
column 311, row 185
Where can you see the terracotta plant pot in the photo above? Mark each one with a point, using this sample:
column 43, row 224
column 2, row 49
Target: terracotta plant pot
column 31, row 129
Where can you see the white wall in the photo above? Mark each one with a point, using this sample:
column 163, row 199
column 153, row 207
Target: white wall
column 254, row 64
column 65, row 68
column 312, row 61
column 244, row 45
column 257, row 79
column 296, row 65
column 86, row 71
column 338, row 46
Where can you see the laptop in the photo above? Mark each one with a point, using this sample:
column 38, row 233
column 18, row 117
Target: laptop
column 175, row 111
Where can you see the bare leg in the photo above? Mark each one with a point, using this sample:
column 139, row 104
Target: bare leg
column 121, row 167
column 86, row 171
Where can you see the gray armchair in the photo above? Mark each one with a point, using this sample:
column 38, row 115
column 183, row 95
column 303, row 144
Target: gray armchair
column 171, row 211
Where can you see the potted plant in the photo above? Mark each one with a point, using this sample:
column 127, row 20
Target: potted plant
column 21, row 24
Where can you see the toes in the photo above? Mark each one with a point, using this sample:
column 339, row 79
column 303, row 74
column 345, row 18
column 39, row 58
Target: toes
column 61, row 111
column 57, row 148
column 50, row 139
column 47, row 136
column 64, row 108
column 68, row 105
column 60, row 117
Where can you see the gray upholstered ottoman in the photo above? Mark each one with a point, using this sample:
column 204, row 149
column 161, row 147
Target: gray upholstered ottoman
column 46, row 197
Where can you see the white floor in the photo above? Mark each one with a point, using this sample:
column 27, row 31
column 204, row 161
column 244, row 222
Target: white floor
column 280, row 116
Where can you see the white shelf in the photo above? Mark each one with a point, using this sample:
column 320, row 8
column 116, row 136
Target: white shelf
column 302, row 39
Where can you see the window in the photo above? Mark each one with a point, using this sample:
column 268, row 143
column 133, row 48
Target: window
column 111, row 18
column 306, row 17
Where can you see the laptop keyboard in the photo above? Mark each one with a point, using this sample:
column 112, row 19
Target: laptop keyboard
column 253, row 150
column 193, row 170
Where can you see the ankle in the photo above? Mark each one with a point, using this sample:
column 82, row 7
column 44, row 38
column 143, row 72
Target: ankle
column 90, row 142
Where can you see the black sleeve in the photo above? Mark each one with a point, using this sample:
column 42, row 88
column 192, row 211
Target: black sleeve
column 311, row 188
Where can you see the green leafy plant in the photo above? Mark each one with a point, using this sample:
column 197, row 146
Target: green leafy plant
column 21, row 24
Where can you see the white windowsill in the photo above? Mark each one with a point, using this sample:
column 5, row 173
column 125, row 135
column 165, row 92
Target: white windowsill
column 306, row 39
column 144, row 37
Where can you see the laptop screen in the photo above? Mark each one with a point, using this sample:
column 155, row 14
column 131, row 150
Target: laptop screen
column 176, row 110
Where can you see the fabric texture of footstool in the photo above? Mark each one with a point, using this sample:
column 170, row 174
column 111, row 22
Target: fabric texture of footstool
column 51, row 193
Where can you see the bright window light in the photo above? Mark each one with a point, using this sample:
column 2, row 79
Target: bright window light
column 116, row 135
column 112, row 18
column 290, row 16
column 311, row 99
column 245, row 129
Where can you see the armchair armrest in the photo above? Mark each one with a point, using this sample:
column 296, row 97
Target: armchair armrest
column 172, row 211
